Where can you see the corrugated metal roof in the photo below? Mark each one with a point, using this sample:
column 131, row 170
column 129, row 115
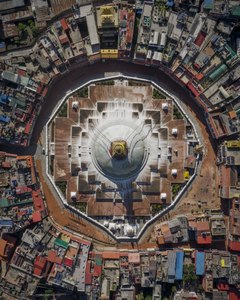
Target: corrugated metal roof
column 179, row 265
column 200, row 39
column 11, row 4
column 3, row 203
column 218, row 72
column 92, row 29
column 6, row 223
column 171, row 263
column 200, row 261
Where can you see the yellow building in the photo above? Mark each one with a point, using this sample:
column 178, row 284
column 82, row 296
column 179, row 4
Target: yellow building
column 107, row 23
column 186, row 174
column 109, row 53
column 107, row 15
column 233, row 144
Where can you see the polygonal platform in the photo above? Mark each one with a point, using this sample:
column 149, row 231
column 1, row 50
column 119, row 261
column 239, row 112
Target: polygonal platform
column 119, row 151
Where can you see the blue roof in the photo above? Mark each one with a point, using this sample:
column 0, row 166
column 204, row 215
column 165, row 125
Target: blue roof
column 6, row 223
column 4, row 99
column 2, row 45
column 208, row 4
column 4, row 119
column 170, row 3
column 200, row 259
column 179, row 266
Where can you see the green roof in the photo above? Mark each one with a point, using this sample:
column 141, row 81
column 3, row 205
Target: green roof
column 98, row 259
column 218, row 72
column 232, row 53
column 146, row 21
column 4, row 202
column 235, row 11
column 61, row 243
column 24, row 202
column 17, row 101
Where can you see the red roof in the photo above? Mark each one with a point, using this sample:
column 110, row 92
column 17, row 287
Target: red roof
column 52, row 257
column 203, row 226
column 97, row 270
column 39, row 265
column 37, row 217
column 110, row 255
column 21, row 72
column 68, row 262
column 40, row 262
column 88, row 278
column 38, row 200
column 199, row 76
column 64, row 24
column 88, row 275
column 204, row 240
column 88, row 266
column 6, row 164
column 192, row 89
column 234, row 246
column 122, row 254
column 223, row 286
column 196, row 66
column 27, row 128
column 234, row 296
column 63, row 39
column 22, row 190
column 200, row 38
column 37, row 271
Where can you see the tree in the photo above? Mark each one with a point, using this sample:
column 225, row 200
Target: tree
column 33, row 27
column 31, row 23
column 21, row 27
column 189, row 275
column 173, row 291
column 176, row 113
column 63, row 111
column 176, row 187
column 156, row 208
column 83, row 93
column 140, row 296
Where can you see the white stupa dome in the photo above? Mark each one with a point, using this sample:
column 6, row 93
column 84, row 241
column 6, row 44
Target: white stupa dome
column 118, row 150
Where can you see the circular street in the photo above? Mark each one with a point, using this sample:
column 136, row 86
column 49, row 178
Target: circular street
column 79, row 75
